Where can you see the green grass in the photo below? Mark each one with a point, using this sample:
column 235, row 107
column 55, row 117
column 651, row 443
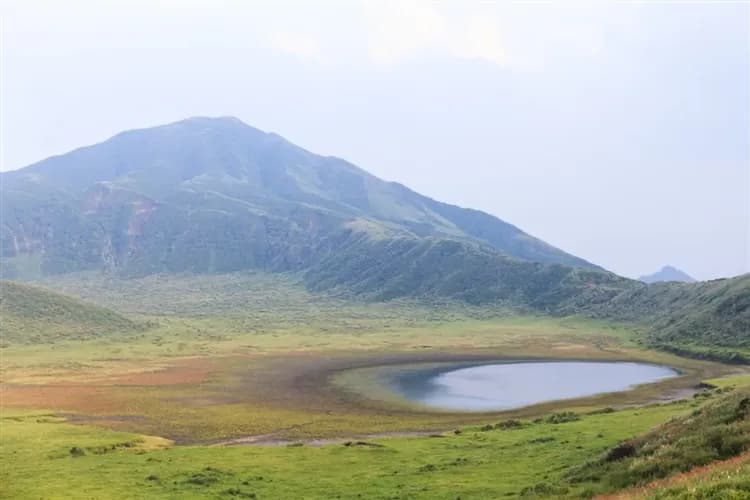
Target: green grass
column 717, row 430
column 730, row 381
column 38, row 462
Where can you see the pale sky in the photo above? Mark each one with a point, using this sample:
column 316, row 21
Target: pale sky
column 619, row 132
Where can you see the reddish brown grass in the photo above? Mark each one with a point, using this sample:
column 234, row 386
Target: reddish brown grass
column 692, row 475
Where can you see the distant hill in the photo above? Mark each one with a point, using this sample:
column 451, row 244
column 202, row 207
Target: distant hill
column 667, row 273
column 704, row 319
column 31, row 314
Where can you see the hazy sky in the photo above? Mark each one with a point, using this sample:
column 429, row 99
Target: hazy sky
column 619, row 132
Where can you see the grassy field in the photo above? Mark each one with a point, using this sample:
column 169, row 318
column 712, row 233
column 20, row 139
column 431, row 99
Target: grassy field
column 47, row 458
column 239, row 358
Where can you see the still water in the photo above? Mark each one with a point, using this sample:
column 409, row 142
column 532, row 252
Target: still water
column 503, row 386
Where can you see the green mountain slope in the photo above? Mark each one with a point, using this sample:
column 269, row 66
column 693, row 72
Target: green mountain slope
column 216, row 195
column 389, row 268
column 689, row 315
column 30, row 313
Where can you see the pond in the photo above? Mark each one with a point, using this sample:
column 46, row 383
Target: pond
column 509, row 385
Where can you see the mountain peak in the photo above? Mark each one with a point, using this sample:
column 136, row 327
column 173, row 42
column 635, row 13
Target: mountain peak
column 667, row 273
column 208, row 122
column 228, row 120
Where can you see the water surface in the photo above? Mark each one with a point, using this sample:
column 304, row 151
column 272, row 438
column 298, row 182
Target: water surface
column 504, row 386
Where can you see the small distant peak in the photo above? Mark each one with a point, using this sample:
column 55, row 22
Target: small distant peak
column 667, row 273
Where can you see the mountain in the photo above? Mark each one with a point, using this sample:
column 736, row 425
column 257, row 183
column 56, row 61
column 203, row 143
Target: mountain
column 32, row 314
column 211, row 195
column 216, row 195
column 667, row 273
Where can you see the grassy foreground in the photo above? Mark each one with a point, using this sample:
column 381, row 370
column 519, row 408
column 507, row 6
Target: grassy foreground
column 48, row 458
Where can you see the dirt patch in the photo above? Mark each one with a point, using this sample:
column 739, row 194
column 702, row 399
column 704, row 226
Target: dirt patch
column 103, row 394
column 73, row 398
column 357, row 440
column 184, row 371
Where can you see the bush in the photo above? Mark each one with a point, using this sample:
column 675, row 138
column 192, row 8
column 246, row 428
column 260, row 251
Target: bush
column 509, row 424
column 602, row 411
column 622, row 450
column 543, row 439
column 562, row 417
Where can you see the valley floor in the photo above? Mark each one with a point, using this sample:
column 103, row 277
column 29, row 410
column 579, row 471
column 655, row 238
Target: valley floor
column 138, row 415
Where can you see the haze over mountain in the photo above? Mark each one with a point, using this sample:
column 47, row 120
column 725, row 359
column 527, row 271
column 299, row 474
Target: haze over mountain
column 667, row 273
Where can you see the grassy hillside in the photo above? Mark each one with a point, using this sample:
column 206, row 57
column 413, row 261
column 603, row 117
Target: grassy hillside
column 708, row 319
column 430, row 268
column 716, row 431
column 32, row 314
column 725, row 479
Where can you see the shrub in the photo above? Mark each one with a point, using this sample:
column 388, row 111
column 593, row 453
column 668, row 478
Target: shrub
column 543, row 439
column 602, row 411
column 619, row 452
column 509, row 424
column 77, row 452
column 562, row 417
